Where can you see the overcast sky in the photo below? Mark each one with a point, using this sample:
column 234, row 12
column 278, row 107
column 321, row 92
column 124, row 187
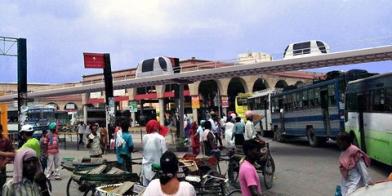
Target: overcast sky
column 58, row 32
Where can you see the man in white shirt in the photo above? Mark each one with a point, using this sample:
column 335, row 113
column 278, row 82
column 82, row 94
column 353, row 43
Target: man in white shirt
column 154, row 145
column 250, row 131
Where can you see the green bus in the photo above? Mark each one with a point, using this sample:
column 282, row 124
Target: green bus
column 368, row 115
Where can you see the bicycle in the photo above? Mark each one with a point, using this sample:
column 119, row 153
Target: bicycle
column 266, row 167
column 213, row 185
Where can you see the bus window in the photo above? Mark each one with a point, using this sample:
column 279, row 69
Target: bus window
column 305, row 99
column 331, row 95
column 388, row 99
column 317, row 97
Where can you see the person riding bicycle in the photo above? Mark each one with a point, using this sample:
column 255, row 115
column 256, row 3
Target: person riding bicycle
column 248, row 176
column 250, row 131
column 168, row 183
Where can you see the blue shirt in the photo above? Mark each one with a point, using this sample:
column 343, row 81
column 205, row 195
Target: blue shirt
column 239, row 128
column 124, row 149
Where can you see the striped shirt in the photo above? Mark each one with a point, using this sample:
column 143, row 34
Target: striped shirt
column 25, row 188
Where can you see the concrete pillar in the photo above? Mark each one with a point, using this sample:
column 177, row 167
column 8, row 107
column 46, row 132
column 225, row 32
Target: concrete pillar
column 85, row 97
column 161, row 111
column 160, row 91
column 194, row 91
column 131, row 97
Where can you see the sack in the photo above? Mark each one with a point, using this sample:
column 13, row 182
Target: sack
column 111, row 144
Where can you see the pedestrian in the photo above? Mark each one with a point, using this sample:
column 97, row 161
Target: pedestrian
column 94, row 143
column 53, row 153
column 81, row 128
column 5, row 146
column 105, row 137
column 353, row 165
column 28, row 178
column 168, row 183
column 248, row 176
column 238, row 131
column 87, row 130
column 31, row 142
column 27, row 134
column 187, row 126
column 250, row 132
column 200, row 132
column 154, row 145
column 208, row 139
column 195, row 139
column 218, row 130
column 229, row 125
column 44, row 150
column 124, row 146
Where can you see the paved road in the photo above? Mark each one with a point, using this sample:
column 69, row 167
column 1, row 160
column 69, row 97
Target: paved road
column 300, row 169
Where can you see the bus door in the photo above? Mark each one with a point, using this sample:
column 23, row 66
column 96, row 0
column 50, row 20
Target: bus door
column 281, row 115
column 324, row 110
column 264, row 119
column 360, row 102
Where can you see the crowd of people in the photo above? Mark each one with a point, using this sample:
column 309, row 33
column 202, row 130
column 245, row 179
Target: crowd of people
column 38, row 160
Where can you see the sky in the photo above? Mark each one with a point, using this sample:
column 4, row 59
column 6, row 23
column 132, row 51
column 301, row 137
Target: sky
column 59, row 32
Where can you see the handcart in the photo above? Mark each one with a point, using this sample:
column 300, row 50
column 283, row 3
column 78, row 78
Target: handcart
column 85, row 179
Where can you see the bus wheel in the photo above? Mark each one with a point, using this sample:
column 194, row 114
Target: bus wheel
column 313, row 140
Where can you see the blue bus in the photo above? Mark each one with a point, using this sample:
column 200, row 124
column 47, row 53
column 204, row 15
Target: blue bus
column 40, row 118
column 315, row 111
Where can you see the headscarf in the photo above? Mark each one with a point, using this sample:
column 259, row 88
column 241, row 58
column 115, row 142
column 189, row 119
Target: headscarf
column 153, row 126
column 22, row 155
column 350, row 157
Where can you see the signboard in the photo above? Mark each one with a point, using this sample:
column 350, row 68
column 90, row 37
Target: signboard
column 195, row 102
column 133, row 106
column 225, row 102
column 94, row 60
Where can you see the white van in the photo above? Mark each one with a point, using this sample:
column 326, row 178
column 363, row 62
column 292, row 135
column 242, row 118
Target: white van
column 305, row 49
column 154, row 66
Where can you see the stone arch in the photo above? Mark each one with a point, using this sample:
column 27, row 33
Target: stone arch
column 236, row 85
column 260, row 84
column 208, row 91
column 70, row 106
column 281, row 84
column 298, row 83
column 55, row 105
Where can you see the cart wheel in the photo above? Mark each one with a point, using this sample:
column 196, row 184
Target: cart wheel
column 233, row 173
column 235, row 192
column 208, row 183
column 49, row 184
column 75, row 189
column 268, row 172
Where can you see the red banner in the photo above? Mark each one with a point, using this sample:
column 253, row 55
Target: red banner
column 94, row 60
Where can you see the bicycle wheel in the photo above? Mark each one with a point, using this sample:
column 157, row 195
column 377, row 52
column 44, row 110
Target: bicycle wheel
column 268, row 172
column 76, row 189
column 232, row 173
column 235, row 192
column 49, row 185
column 212, row 186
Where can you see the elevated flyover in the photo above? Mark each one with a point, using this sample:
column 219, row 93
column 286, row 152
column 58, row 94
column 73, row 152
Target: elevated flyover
column 234, row 69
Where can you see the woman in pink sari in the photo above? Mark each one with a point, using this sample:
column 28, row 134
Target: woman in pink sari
column 195, row 138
